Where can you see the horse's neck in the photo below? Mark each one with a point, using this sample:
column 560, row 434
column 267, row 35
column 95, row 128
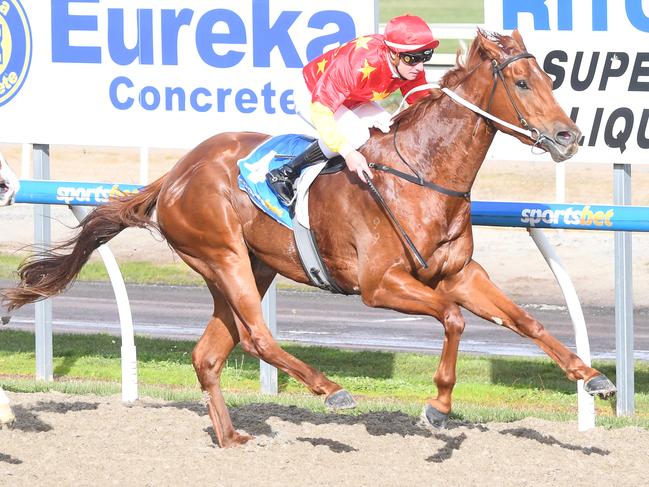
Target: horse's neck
column 457, row 140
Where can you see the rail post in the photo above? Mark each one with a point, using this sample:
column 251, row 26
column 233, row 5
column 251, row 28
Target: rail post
column 268, row 373
column 624, row 362
column 43, row 239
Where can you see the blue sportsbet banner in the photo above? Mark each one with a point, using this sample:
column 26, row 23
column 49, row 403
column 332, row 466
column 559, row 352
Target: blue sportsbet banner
column 574, row 216
column 490, row 213
column 71, row 193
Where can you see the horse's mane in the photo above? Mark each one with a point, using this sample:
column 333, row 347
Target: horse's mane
column 463, row 67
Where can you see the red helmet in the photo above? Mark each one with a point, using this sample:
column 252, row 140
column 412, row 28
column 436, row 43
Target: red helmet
column 409, row 33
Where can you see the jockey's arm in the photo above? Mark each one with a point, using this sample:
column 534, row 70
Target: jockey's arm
column 335, row 140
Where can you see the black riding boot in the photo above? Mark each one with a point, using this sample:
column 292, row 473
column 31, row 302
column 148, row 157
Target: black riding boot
column 282, row 179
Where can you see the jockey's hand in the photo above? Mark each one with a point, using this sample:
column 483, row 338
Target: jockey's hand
column 357, row 163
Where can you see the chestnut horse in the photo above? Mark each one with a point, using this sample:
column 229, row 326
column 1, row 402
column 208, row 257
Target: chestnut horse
column 216, row 229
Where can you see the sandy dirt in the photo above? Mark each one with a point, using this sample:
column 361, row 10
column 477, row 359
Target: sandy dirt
column 65, row 440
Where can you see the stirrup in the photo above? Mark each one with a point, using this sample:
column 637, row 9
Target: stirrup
column 286, row 202
column 281, row 186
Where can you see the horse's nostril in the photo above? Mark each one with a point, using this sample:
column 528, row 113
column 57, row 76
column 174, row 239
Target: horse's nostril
column 565, row 137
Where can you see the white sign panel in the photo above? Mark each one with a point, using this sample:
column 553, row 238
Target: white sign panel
column 161, row 73
column 596, row 51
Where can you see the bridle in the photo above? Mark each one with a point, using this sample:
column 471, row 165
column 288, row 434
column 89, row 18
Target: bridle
column 524, row 129
column 533, row 134
column 497, row 70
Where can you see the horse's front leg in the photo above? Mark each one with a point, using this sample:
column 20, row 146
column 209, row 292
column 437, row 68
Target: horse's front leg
column 473, row 290
column 400, row 291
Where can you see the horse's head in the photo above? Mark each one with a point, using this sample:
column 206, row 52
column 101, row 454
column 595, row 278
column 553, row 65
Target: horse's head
column 522, row 95
column 9, row 184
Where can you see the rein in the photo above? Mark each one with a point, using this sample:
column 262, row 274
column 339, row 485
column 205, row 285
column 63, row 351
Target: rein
column 418, row 181
column 533, row 134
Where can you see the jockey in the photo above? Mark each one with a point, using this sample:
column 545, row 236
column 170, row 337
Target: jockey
column 343, row 86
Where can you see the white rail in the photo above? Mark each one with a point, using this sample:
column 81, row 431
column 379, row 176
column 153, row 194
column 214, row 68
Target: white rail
column 585, row 402
column 129, row 356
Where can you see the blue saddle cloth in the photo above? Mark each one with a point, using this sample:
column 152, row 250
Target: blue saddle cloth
column 273, row 153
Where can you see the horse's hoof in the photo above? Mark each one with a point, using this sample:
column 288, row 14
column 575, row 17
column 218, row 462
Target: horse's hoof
column 432, row 417
column 237, row 439
column 7, row 417
column 340, row 400
column 601, row 386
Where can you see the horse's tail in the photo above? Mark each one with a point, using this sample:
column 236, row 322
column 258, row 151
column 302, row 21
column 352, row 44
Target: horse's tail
column 50, row 272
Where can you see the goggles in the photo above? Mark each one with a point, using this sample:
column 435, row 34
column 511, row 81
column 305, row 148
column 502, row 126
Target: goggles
column 414, row 58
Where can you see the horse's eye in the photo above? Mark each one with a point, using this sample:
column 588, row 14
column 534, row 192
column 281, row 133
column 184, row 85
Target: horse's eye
column 522, row 84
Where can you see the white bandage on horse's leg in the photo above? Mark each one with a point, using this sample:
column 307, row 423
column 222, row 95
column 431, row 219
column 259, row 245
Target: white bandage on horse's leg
column 6, row 414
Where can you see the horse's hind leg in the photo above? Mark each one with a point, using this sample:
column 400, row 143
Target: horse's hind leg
column 209, row 357
column 232, row 279
column 474, row 291
column 212, row 350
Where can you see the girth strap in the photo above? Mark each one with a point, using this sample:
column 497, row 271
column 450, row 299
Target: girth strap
column 307, row 249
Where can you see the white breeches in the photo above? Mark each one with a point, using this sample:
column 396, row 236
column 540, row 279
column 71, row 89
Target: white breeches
column 355, row 124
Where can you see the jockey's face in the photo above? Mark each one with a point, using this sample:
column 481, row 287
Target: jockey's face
column 409, row 65
column 409, row 72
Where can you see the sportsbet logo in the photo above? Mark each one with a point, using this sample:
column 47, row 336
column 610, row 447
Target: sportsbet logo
column 15, row 48
column 569, row 216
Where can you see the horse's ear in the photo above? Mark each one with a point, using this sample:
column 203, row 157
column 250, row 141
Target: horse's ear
column 490, row 47
column 516, row 35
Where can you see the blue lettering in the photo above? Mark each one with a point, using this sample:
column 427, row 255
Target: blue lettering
column 62, row 24
column 155, row 98
column 564, row 14
column 221, row 95
column 287, row 103
column 193, row 100
column 636, row 15
column 267, row 37
column 538, row 9
column 206, row 38
column 120, row 105
column 171, row 24
column 346, row 31
column 248, row 97
column 267, row 94
column 179, row 95
column 600, row 15
column 143, row 48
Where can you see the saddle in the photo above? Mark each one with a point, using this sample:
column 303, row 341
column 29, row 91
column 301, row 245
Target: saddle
column 273, row 153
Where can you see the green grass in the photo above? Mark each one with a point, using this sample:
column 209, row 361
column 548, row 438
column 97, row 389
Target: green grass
column 438, row 11
column 134, row 272
column 488, row 389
